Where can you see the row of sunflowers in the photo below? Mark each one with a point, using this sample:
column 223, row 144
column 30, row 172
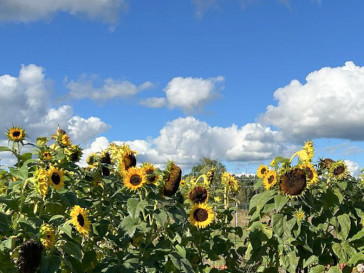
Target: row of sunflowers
column 111, row 215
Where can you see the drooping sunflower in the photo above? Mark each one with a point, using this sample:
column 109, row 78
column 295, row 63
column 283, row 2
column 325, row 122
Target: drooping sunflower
column 30, row 255
column 41, row 181
column 326, row 163
column 106, row 160
column 210, row 175
column 201, row 215
column 134, row 178
column 293, row 182
column 92, row 160
column 80, row 220
column 46, row 155
column 270, row 179
column 149, row 171
column 16, row 134
column 65, row 140
column 198, row 195
column 311, row 174
column 262, row 171
column 306, row 154
column 48, row 237
column 171, row 183
column 339, row 170
column 73, row 153
column 56, row 177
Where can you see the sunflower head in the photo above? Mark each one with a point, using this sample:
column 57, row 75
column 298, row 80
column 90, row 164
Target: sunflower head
column 134, row 178
column 210, row 175
column 300, row 215
column 65, row 141
column 262, row 171
column 73, row 153
column 105, row 159
column 201, row 215
column 326, row 163
column 48, row 237
column 41, row 181
column 56, row 177
column 149, row 171
column 311, row 174
column 46, row 155
column 339, row 170
column 230, row 181
column 16, row 134
column 30, row 255
column 270, row 179
column 92, row 160
column 293, row 182
column 198, row 195
column 171, row 183
column 80, row 220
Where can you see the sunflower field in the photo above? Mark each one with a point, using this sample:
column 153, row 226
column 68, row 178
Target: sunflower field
column 115, row 215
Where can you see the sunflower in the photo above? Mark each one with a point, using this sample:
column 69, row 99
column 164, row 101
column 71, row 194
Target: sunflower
column 149, row 171
column 306, row 154
column 41, row 181
column 65, row 140
column 270, row 179
column 230, row 181
column 293, row 182
column 326, row 163
column 262, row 171
column 30, row 255
column 80, row 220
column 48, row 238
column 300, row 215
column 198, row 195
column 311, row 174
column 56, row 177
column 16, row 134
column 171, row 183
column 105, row 159
column 339, row 170
column 134, row 178
column 92, row 160
column 73, row 153
column 201, row 215
column 46, row 155
column 210, row 175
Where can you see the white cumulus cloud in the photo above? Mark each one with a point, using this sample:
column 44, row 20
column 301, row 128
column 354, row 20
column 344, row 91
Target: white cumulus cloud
column 27, row 11
column 329, row 105
column 25, row 101
column 353, row 168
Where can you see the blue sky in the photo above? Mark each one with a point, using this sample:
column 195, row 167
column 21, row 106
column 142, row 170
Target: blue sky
column 212, row 67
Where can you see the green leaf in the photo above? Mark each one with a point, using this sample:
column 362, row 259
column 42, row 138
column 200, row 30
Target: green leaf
column 55, row 217
column 67, row 229
column 280, row 201
column 135, row 207
column 4, row 225
column 317, row 269
column 278, row 221
column 41, row 141
column 312, row 260
column 4, row 149
column 50, row 264
column 357, row 236
column 161, row 218
column 356, row 258
column 345, row 223
column 72, row 249
column 339, row 251
column 334, row 269
column 181, row 251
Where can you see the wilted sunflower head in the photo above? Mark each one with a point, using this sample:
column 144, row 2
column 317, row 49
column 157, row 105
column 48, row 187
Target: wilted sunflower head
column 339, row 170
column 270, row 179
column 201, row 215
column 30, row 255
column 74, row 153
column 41, row 181
column 171, row 183
column 105, row 159
column 210, row 175
column 56, row 177
column 262, row 171
column 92, row 160
column 326, row 163
column 134, row 178
column 198, row 195
column 293, row 182
column 80, row 220
column 48, row 237
column 16, row 134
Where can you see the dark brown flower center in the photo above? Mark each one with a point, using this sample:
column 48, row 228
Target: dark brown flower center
column 135, row 179
column 339, row 170
column 80, row 219
column 263, row 170
column 129, row 161
column 200, row 215
column 150, row 176
column 271, row 179
column 56, row 179
column 309, row 173
column 198, row 195
column 293, row 182
column 16, row 133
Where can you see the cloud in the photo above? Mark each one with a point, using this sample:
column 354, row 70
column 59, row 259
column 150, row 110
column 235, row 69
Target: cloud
column 189, row 94
column 329, row 105
column 186, row 140
column 25, row 101
column 201, row 6
column 111, row 89
column 27, row 11
column 353, row 168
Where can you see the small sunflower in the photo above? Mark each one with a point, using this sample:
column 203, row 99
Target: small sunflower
column 134, row 178
column 201, row 215
column 92, row 160
column 48, row 237
column 46, row 155
column 80, row 220
column 210, row 175
column 151, row 176
column 41, row 181
column 73, row 153
column 306, row 154
column 56, row 177
column 230, row 181
column 16, row 134
column 339, row 170
column 270, row 179
column 300, row 215
column 262, row 171
column 65, row 140
column 326, row 163
column 311, row 174
column 198, row 195
column 293, row 182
